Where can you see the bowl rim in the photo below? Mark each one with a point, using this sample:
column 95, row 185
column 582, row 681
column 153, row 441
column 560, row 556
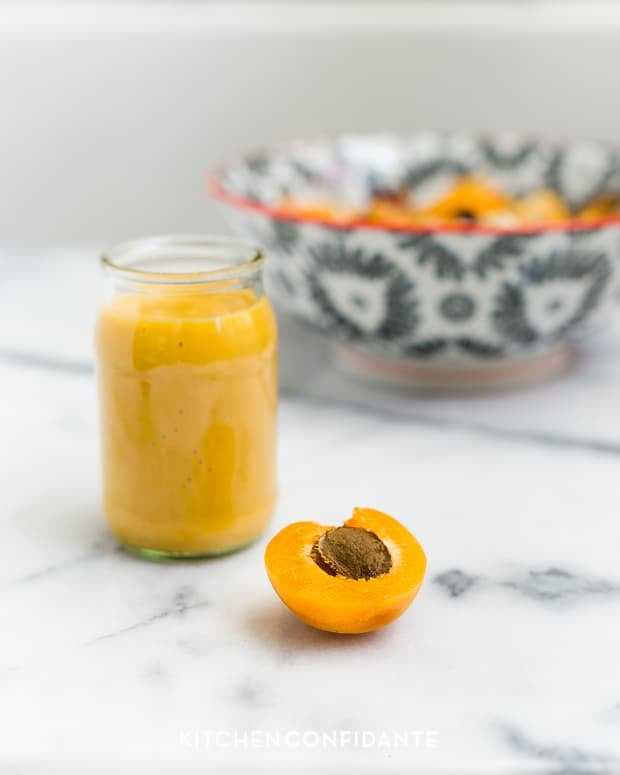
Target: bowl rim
column 218, row 191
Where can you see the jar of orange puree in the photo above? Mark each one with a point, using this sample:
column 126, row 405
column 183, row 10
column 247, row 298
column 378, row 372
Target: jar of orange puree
column 186, row 348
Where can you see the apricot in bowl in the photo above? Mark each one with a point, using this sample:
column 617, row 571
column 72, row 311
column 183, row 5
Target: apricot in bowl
column 349, row 579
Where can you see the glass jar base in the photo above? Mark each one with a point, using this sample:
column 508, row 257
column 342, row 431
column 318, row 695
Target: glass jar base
column 164, row 555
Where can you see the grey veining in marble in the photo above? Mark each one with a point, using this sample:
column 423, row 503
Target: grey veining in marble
column 506, row 663
column 542, row 585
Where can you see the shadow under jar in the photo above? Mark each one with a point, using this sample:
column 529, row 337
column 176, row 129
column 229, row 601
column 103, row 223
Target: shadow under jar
column 186, row 358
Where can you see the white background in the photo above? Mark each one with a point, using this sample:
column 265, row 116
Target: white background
column 112, row 113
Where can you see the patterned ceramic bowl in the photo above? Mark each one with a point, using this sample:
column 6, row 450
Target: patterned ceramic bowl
column 458, row 303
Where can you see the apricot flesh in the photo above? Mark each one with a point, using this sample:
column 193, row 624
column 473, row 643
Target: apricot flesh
column 338, row 580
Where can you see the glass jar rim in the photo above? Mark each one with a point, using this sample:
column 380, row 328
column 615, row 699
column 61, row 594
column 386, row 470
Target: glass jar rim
column 114, row 258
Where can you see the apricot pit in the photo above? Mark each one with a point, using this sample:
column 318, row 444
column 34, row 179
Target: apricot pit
column 348, row 579
column 352, row 552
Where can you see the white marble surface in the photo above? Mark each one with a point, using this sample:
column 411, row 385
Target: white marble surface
column 508, row 661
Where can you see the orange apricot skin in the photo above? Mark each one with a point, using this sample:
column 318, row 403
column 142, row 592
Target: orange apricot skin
column 335, row 603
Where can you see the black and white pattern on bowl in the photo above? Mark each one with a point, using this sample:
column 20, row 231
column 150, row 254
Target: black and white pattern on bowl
column 436, row 296
column 348, row 167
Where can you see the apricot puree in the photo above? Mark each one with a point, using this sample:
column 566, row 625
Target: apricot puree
column 188, row 394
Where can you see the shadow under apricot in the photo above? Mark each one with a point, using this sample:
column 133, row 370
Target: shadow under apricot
column 276, row 627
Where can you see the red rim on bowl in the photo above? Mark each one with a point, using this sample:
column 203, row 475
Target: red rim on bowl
column 219, row 192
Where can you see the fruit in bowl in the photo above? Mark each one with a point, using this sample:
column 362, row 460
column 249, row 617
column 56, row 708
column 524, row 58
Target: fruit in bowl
column 440, row 257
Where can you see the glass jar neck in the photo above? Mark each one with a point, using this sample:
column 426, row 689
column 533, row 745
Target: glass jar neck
column 183, row 265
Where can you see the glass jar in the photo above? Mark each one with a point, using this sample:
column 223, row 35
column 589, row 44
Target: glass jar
column 186, row 347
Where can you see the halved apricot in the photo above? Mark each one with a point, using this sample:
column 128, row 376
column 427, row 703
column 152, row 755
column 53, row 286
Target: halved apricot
column 469, row 200
column 602, row 205
column 349, row 579
column 541, row 206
